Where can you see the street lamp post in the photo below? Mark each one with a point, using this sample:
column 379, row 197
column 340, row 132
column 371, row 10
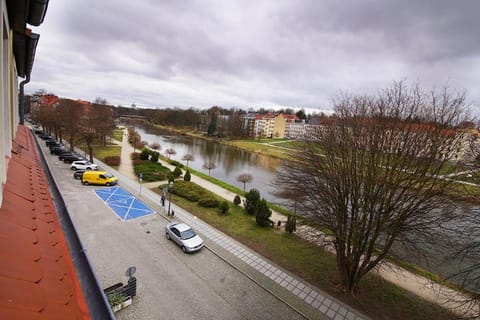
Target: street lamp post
column 170, row 186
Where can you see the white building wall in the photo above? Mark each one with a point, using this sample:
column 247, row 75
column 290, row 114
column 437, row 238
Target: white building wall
column 8, row 96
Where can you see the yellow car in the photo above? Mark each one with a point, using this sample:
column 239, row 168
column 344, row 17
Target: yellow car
column 99, row 177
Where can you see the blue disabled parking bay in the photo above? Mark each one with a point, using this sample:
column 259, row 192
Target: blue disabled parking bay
column 123, row 203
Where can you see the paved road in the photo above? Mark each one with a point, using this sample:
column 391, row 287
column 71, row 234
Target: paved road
column 171, row 285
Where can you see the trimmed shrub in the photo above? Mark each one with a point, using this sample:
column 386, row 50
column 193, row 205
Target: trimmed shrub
column 209, row 202
column 112, row 160
column 135, row 156
column 291, row 224
column 237, row 200
column 191, row 191
column 150, row 171
column 176, row 163
column 224, row 207
column 177, row 172
column 263, row 213
column 252, row 197
column 145, row 154
column 187, row 176
column 154, row 156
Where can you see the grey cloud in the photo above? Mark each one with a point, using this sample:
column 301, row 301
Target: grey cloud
column 280, row 51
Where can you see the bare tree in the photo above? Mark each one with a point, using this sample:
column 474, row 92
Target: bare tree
column 99, row 100
column 244, row 178
column 372, row 177
column 70, row 113
column 188, row 157
column 155, row 146
column 170, row 152
column 209, row 165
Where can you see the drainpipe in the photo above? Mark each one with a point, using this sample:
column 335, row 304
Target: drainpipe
column 21, row 110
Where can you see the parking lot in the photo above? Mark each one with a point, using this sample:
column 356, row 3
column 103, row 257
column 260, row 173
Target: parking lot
column 171, row 284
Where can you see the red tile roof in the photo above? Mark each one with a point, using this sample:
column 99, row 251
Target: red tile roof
column 37, row 276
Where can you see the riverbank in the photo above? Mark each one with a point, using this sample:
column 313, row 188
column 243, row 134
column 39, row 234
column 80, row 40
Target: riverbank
column 465, row 184
column 422, row 287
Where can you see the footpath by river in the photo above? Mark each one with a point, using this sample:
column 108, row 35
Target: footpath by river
column 414, row 283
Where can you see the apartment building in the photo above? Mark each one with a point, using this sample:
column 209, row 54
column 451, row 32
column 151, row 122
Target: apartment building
column 41, row 274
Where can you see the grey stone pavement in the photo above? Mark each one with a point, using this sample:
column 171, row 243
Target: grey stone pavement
column 309, row 301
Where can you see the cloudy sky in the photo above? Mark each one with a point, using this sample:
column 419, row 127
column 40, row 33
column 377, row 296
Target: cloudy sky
column 244, row 53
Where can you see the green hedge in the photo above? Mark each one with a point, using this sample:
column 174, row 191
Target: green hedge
column 194, row 193
column 150, row 171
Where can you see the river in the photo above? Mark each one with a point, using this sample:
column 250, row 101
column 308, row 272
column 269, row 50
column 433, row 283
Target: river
column 230, row 162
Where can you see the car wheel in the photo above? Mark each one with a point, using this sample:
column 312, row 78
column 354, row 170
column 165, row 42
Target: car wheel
column 108, row 184
column 74, row 168
column 167, row 235
column 88, row 168
column 85, row 183
column 184, row 249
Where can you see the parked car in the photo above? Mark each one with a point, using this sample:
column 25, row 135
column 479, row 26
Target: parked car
column 78, row 174
column 62, row 155
column 71, row 158
column 99, row 177
column 44, row 136
column 83, row 165
column 58, row 150
column 184, row 236
column 51, row 142
column 54, row 145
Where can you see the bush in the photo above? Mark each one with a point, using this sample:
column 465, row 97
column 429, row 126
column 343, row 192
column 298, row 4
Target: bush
column 191, row 191
column 224, row 207
column 252, row 197
column 176, row 163
column 187, row 176
column 237, row 200
column 177, row 172
column 154, row 156
column 112, row 160
column 135, row 156
column 263, row 213
column 291, row 224
column 145, row 154
column 209, row 202
column 150, row 171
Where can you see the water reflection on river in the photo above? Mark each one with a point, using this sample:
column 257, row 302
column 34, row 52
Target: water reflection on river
column 230, row 161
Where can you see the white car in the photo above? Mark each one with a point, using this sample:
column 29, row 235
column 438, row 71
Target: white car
column 183, row 236
column 83, row 165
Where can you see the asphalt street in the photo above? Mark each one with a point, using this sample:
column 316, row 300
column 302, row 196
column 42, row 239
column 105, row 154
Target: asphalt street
column 171, row 284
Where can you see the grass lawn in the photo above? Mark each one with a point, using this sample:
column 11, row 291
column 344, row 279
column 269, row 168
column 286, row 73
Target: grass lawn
column 117, row 134
column 103, row 152
column 376, row 297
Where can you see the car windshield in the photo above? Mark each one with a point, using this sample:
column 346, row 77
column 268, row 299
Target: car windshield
column 108, row 175
column 187, row 234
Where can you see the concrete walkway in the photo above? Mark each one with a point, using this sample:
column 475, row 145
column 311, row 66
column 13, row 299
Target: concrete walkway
column 309, row 301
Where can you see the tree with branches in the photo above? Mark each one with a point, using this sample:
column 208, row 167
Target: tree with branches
column 69, row 114
column 373, row 176
column 244, row 178
column 209, row 165
column 170, row 152
column 188, row 157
